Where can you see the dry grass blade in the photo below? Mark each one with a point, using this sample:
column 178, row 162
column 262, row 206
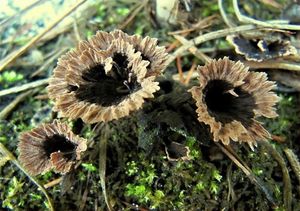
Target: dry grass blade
column 287, row 198
column 4, row 151
column 224, row 14
column 3, row 159
column 14, row 55
column 24, row 87
column 249, row 174
column 132, row 15
column 294, row 162
column 53, row 183
column 10, row 107
column 273, row 64
column 204, row 58
column 102, row 162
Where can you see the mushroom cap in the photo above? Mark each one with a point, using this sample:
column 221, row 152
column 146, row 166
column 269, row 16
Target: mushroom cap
column 229, row 98
column 101, row 85
column 50, row 146
column 261, row 49
column 147, row 46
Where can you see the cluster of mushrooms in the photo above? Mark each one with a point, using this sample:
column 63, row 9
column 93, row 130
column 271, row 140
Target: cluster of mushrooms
column 112, row 74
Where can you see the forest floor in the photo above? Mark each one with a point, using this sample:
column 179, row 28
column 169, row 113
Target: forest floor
column 138, row 174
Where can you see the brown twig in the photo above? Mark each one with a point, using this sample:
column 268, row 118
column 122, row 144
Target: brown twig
column 179, row 68
column 176, row 76
column 172, row 46
column 190, row 73
column 14, row 55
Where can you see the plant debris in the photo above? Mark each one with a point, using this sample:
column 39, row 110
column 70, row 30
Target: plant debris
column 117, row 124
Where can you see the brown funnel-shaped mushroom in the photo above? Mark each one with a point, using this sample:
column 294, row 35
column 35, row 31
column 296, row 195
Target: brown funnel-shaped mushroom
column 230, row 98
column 50, row 146
column 101, row 85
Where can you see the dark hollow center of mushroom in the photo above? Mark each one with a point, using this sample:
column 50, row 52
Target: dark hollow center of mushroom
column 227, row 103
column 60, row 143
column 107, row 90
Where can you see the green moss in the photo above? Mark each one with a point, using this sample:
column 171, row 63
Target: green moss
column 12, row 199
column 288, row 111
column 89, row 167
column 8, row 78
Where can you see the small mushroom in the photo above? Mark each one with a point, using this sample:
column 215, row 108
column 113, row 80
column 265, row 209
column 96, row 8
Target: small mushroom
column 50, row 146
column 229, row 98
column 176, row 151
column 150, row 51
column 101, row 85
column 261, row 49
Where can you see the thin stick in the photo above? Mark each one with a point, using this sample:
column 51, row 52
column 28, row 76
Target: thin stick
column 13, row 159
column 10, row 107
column 249, row 174
column 53, row 183
column 224, row 14
column 24, row 87
column 14, row 55
column 179, row 68
column 172, row 46
column 190, row 73
column 176, row 77
column 273, row 24
column 193, row 49
column 102, row 164
column 133, row 14
column 273, row 64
